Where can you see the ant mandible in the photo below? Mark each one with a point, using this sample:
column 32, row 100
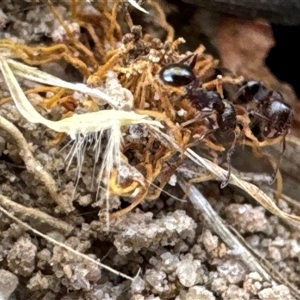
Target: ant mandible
column 180, row 74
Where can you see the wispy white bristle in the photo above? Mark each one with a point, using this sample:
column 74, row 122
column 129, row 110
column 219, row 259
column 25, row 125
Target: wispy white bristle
column 137, row 6
column 84, row 129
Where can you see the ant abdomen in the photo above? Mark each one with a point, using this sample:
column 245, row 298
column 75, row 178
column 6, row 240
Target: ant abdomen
column 177, row 74
column 266, row 107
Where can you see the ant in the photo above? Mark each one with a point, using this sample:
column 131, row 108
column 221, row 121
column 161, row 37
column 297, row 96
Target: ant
column 180, row 74
column 269, row 106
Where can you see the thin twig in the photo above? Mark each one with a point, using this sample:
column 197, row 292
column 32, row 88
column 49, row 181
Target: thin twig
column 34, row 166
column 53, row 241
column 251, row 189
column 220, row 174
column 35, row 214
column 217, row 225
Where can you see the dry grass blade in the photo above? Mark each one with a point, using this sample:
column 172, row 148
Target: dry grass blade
column 91, row 122
column 249, row 188
column 234, row 241
column 34, row 166
column 220, row 174
column 36, row 75
column 54, row 242
column 215, row 222
column 35, row 214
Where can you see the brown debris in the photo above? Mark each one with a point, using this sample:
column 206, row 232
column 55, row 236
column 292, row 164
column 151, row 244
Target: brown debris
column 243, row 46
column 166, row 238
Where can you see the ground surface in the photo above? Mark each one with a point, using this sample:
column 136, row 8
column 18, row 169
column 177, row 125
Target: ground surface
column 167, row 242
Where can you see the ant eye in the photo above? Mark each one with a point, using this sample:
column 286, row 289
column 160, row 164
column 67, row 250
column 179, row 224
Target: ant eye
column 177, row 75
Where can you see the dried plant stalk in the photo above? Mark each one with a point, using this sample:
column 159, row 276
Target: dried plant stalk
column 69, row 249
column 249, row 188
column 87, row 123
column 234, row 241
column 220, row 174
column 35, row 214
column 34, row 166
column 215, row 222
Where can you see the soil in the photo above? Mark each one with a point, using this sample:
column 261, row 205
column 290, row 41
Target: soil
column 167, row 247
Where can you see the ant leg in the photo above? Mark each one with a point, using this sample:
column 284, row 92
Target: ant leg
column 276, row 169
column 203, row 177
column 228, row 158
column 194, row 60
column 274, row 174
column 191, row 121
column 199, row 115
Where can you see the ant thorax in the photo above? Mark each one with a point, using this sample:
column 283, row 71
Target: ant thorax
column 204, row 100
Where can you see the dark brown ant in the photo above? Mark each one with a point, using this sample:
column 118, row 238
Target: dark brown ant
column 264, row 107
column 274, row 115
column 180, row 74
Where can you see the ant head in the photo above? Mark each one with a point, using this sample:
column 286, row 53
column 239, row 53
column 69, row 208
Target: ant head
column 179, row 74
column 278, row 114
